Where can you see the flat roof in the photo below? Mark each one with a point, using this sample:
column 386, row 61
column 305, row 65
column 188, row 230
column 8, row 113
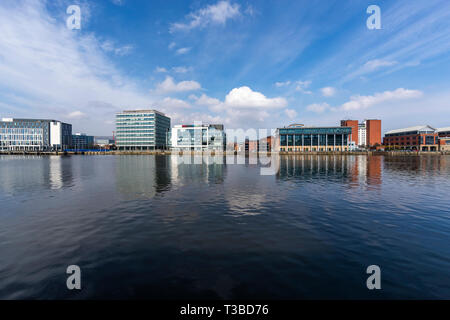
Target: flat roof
column 9, row 120
column 142, row 111
column 443, row 129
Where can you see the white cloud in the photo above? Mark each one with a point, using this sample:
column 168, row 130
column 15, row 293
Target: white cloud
column 183, row 50
column 291, row 113
column 109, row 46
column 244, row 97
column 358, row 102
column 169, row 85
column 373, row 65
column 282, row 84
column 181, row 69
column 241, row 107
column 118, row 2
column 216, row 14
column 169, row 103
column 160, row 70
column 318, row 107
column 302, row 86
column 363, row 102
column 48, row 71
column 328, row 91
column 204, row 100
column 76, row 115
column 172, row 45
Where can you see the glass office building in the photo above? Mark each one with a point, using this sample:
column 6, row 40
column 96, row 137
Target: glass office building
column 310, row 139
column 142, row 130
column 198, row 137
column 34, row 135
column 81, row 141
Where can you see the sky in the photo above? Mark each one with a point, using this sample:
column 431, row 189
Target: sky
column 245, row 64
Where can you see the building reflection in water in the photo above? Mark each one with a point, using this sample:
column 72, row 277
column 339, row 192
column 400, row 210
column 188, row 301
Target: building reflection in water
column 142, row 176
column 207, row 169
column 29, row 173
column 356, row 169
column 427, row 165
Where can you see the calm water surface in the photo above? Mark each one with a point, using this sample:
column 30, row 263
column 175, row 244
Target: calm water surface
column 154, row 227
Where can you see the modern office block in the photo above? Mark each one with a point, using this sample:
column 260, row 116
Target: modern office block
column 198, row 137
column 82, row 141
column 142, row 130
column 309, row 139
column 34, row 135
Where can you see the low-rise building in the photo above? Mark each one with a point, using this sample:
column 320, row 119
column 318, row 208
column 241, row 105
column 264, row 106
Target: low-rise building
column 103, row 141
column 443, row 132
column 199, row 137
column 81, row 141
column 310, row 139
column 34, row 135
column 418, row 138
column 444, row 144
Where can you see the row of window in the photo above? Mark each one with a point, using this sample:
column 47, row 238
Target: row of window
column 313, row 140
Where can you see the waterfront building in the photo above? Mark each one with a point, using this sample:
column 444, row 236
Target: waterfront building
column 199, row 137
column 34, row 135
column 443, row 132
column 362, row 134
column 373, row 132
column 103, row 141
column 354, row 125
column 142, row 130
column 418, row 138
column 82, row 141
column 309, row 139
column 444, row 144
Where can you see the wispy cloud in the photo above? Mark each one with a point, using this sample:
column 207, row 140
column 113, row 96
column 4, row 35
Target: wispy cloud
column 359, row 102
column 216, row 14
column 318, row 107
column 363, row 102
column 291, row 113
column 183, row 50
column 302, row 86
column 282, row 84
column 109, row 46
column 59, row 70
column 328, row 91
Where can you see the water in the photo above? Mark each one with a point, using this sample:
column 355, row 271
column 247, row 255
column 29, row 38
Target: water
column 153, row 227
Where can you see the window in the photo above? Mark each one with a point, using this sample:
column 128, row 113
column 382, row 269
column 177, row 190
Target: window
column 283, row 140
column 429, row 140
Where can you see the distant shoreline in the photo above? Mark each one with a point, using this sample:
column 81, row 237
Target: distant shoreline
column 227, row 153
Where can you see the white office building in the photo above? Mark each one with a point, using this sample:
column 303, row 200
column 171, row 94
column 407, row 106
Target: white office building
column 362, row 134
column 198, row 137
column 34, row 135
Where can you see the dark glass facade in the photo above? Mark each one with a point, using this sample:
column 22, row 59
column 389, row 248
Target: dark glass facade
column 314, row 139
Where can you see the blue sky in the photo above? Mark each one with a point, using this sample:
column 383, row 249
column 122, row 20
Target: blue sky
column 247, row 64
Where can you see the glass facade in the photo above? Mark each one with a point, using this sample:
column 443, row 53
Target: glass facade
column 198, row 137
column 32, row 135
column 82, row 141
column 142, row 130
column 314, row 139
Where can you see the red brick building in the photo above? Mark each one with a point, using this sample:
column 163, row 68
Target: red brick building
column 373, row 132
column 354, row 125
column 419, row 138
